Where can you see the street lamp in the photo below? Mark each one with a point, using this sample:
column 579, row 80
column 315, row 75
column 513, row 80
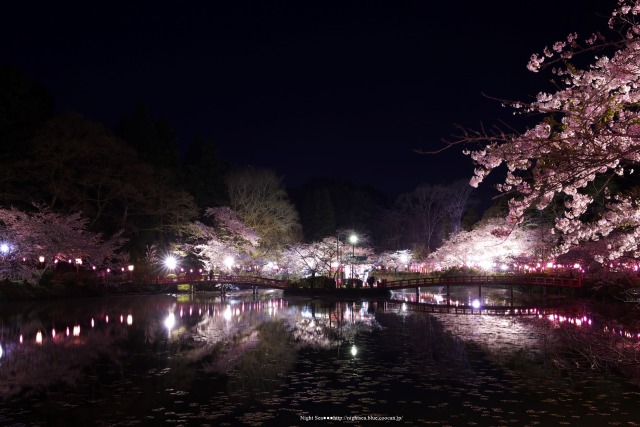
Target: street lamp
column 170, row 262
column 353, row 239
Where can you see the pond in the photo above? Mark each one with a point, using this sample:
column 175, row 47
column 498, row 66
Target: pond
column 265, row 360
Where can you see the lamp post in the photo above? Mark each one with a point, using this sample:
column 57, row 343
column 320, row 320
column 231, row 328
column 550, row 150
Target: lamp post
column 353, row 239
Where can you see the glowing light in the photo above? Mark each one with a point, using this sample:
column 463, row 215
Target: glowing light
column 130, row 268
column 475, row 303
column 53, row 333
column 93, row 323
column 129, row 320
column 76, row 331
column 227, row 313
column 485, row 264
column 228, row 262
column 41, row 258
column 354, row 350
column 1, row 351
column 170, row 321
column 4, row 248
column 170, row 262
column 21, row 339
column 39, row 337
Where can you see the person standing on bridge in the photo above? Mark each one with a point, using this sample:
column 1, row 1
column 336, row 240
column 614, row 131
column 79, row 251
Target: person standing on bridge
column 371, row 280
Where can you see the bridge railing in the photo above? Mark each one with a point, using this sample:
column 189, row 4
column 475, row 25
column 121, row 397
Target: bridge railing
column 572, row 282
column 394, row 284
column 222, row 278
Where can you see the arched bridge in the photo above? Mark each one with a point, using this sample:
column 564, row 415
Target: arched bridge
column 263, row 282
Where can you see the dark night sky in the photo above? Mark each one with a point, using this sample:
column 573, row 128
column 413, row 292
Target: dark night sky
column 343, row 89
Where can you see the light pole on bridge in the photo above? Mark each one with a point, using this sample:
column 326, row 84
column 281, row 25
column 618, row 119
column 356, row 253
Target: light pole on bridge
column 353, row 240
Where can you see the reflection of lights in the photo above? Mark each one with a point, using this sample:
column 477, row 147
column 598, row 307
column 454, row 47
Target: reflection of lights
column 21, row 339
column 170, row 321
column 0, row 351
column 68, row 333
column 129, row 320
column 39, row 337
column 106, row 319
column 404, row 306
column 93, row 323
column 227, row 313
column 354, row 350
column 76, row 331
column 475, row 303
column 53, row 333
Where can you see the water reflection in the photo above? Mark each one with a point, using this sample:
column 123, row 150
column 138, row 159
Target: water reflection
column 269, row 361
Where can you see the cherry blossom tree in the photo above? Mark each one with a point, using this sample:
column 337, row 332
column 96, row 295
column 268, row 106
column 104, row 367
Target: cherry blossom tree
column 35, row 241
column 394, row 259
column 228, row 238
column 492, row 243
column 581, row 155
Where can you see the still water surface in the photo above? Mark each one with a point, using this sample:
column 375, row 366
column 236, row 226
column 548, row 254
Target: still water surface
column 269, row 361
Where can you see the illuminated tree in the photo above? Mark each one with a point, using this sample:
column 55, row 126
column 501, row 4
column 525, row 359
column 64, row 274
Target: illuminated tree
column 490, row 244
column 581, row 155
column 36, row 240
column 227, row 238
column 262, row 203
column 310, row 259
column 394, row 259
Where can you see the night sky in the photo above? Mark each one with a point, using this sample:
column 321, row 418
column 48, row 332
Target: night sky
column 344, row 89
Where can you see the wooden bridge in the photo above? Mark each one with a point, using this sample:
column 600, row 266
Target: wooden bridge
column 417, row 283
column 510, row 281
column 521, row 280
